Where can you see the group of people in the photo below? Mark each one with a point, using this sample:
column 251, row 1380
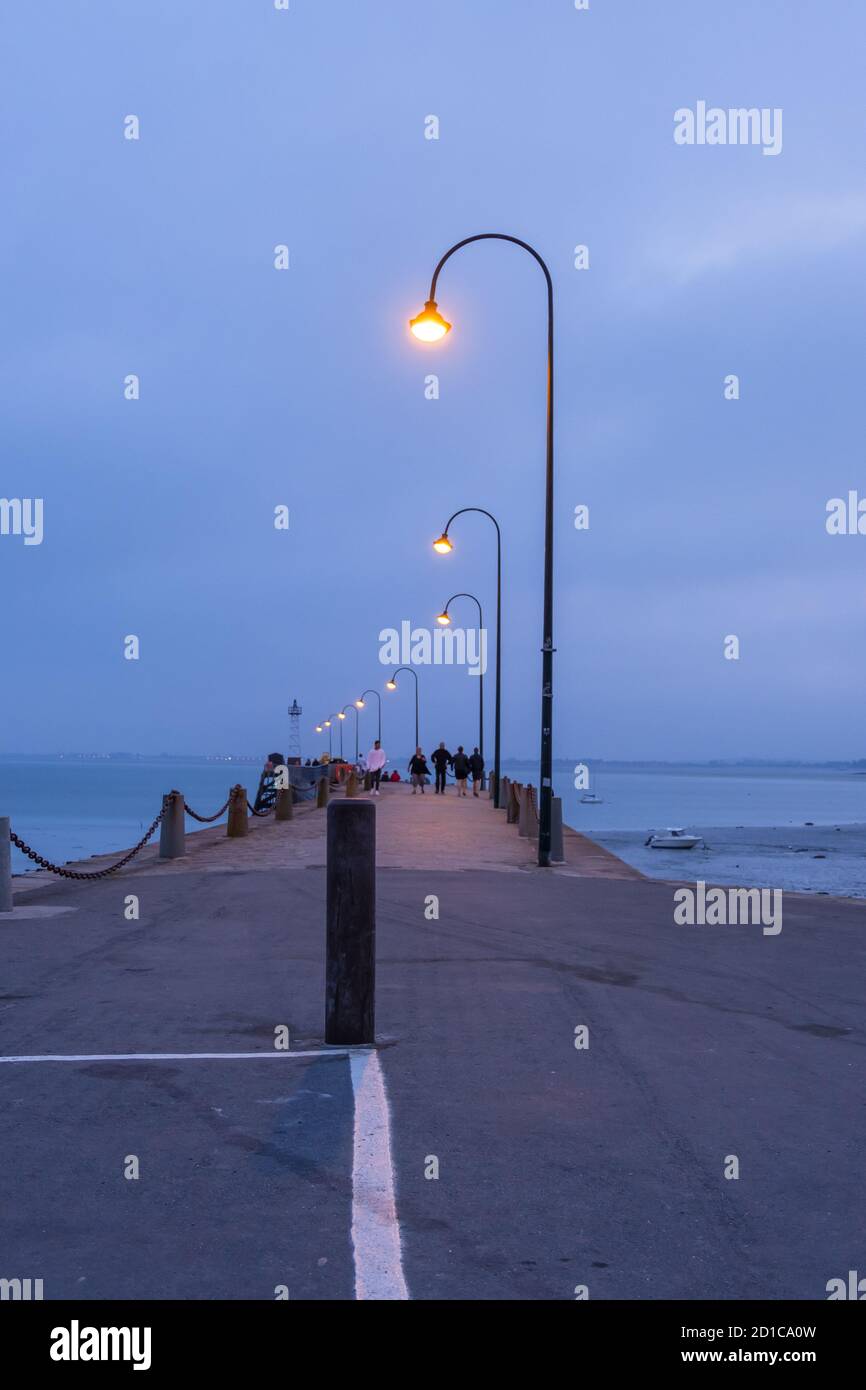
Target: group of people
column 465, row 767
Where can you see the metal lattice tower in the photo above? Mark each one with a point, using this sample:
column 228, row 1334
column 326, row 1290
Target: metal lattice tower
column 294, row 753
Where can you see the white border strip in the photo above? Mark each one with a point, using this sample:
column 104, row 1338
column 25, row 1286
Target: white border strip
column 375, row 1229
column 170, row 1056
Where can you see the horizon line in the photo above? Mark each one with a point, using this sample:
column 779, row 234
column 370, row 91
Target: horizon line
column 742, row 760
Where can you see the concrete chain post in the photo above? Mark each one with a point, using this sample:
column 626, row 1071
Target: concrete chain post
column 322, row 792
column 5, row 866
column 557, row 850
column 284, row 806
column 524, row 819
column 534, row 827
column 172, row 831
column 238, row 822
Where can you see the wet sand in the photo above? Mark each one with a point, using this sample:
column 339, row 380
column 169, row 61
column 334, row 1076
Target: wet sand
column 820, row 859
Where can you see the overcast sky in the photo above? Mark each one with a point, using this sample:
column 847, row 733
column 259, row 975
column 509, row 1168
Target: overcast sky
column 261, row 387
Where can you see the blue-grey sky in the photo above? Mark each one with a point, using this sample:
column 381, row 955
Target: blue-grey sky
column 261, row 387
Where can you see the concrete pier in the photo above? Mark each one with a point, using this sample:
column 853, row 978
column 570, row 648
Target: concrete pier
column 579, row 1066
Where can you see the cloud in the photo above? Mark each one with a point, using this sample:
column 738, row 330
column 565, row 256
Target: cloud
column 749, row 232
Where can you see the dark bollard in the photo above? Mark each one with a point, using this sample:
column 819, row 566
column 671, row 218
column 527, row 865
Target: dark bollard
column 368, row 781
column 238, row 822
column 322, row 792
column 515, row 791
column 557, row 851
column 284, row 806
column 504, row 795
column 350, row 961
column 172, row 831
column 5, row 866
column 352, row 785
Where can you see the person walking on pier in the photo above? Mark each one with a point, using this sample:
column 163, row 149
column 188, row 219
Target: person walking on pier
column 461, row 766
column 375, row 762
column 476, row 766
column 440, row 759
column 419, row 771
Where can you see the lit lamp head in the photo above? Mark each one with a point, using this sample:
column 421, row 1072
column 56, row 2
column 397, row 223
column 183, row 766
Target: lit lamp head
column 318, row 728
column 360, row 704
column 443, row 545
column 429, row 326
column 341, row 715
column 443, row 618
column 391, row 685
column 327, row 723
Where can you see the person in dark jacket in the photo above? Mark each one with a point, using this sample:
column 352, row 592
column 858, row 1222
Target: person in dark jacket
column 441, row 760
column 476, row 767
column 460, row 763
column 419, row 771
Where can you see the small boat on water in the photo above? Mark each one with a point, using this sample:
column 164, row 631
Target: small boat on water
column 673, row 838
column 591, row 797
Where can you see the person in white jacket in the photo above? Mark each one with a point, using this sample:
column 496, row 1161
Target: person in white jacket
column 376, row 761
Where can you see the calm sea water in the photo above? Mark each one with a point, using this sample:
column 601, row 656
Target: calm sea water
column 70, row 810
column 754, row 819
column 755, row 822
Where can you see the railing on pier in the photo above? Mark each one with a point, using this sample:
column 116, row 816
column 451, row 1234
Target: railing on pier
column 520, row 802
column 302, row 784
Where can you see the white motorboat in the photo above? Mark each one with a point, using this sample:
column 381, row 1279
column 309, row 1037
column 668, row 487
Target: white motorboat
column 673, row 838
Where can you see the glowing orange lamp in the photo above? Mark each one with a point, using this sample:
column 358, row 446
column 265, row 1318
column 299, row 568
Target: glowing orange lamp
column 429, row 326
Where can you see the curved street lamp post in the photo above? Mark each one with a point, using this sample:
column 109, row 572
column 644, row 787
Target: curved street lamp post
column 341, row 716
column 444, row 619
column 443, row 546
column 392, row 685
column 359, row 704
column 429, row 326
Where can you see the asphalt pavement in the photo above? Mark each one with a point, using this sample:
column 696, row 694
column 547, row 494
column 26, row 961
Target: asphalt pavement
column 560, row 1168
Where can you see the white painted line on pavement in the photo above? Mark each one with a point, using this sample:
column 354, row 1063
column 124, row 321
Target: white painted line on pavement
column 170, row 1056
column 375, row 1229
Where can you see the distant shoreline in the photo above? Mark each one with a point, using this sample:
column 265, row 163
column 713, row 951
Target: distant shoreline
column 857, row 765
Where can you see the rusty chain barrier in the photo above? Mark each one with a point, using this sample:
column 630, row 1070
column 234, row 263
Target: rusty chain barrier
column 206, row 820
column 121, row 863
column 96, row 873
column 82, row 875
